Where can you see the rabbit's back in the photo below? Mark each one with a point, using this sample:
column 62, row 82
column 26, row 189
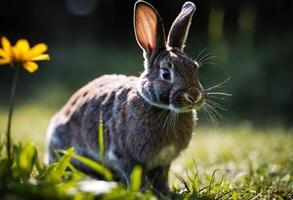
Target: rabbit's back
column 75, row 125
column 100, row 89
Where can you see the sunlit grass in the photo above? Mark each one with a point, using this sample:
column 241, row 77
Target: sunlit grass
column 29, row 124
column 246, row 162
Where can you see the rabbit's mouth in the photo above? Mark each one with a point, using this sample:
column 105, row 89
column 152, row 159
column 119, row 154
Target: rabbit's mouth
column 180, row 101
column 199, row 103
column 190, row 108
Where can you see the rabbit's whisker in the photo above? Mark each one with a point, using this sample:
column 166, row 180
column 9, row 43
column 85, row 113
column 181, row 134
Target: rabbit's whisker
column 207, row 115
column 170, row 121
column 219, row 114
column 219, row 85
column 167, row 121
column 160, row 117
column 215, row 116
column 170, row 127
column 216, row 112
column 208, row 63
column 206, row 58
column 216, row 89
column 175, row 119
column 164, row 118
column 202, row 51
column 216, row 105
column 211, row 112
column 216, row 97
column 211, row 107
column 210, row 116
column 219, row 93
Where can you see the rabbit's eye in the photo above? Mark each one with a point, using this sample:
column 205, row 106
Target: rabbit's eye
column 166, row 74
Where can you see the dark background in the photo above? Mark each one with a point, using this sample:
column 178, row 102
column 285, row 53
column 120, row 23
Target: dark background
column 252, row 42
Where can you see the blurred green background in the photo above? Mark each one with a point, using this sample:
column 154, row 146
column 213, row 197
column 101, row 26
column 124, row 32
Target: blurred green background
column 252, row 42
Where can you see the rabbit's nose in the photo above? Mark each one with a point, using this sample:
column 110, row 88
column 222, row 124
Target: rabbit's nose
column 189, row 98
column 193, row 95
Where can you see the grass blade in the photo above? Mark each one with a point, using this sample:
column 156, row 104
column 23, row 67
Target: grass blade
column 135, row 178
column 101, row 139
column 95, row 166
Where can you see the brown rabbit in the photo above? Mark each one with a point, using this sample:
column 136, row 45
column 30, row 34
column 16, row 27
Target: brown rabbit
column 148, row 120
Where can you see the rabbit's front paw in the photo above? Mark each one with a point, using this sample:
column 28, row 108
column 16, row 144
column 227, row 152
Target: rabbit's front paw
column 158, row 177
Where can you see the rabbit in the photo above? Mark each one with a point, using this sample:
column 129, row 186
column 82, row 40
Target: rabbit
column 148, row 120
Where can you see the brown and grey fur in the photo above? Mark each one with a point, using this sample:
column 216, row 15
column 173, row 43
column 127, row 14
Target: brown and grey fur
column 147, row 120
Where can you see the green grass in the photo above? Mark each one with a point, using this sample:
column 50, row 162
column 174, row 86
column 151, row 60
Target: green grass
column 220, row 163
column 246, row 163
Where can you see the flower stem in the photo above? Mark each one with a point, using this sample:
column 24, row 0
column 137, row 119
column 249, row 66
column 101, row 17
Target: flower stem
column 10, row 113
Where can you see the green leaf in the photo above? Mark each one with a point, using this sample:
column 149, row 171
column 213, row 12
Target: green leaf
column 135, row 178
column 95, row 166
column 56, row 171
column 64, row 162
column 25, row 160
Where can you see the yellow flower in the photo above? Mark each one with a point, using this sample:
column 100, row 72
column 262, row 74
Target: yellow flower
column 22, row 54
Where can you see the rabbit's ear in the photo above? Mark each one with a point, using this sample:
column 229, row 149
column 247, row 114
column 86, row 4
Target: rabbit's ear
column 148, row 27
column 179, row 29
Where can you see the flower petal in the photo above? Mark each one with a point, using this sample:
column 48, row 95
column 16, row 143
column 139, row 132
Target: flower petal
column 22, row 45
column 41, row 57
column 15, row 54
column 30, row 66
column 5, row 44
column 38, row 49
column 3, row 53
column 4, row 61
